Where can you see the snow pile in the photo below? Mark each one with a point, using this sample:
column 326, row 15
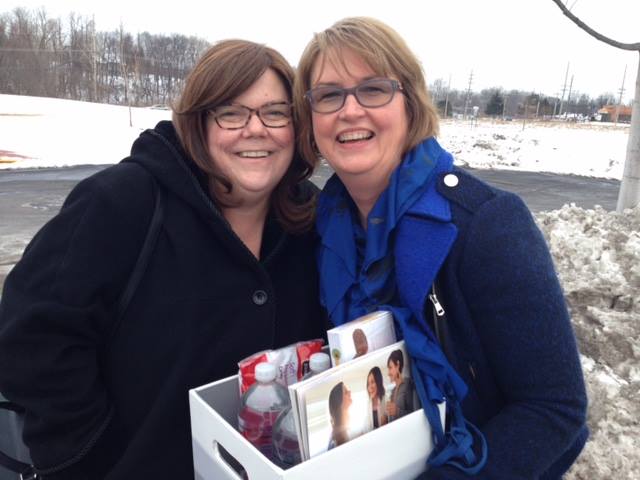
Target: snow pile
column 597, row 255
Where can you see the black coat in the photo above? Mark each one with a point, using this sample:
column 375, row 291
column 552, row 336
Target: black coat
column 100, row 401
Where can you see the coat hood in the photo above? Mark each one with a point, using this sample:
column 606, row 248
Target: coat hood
column 160, row 152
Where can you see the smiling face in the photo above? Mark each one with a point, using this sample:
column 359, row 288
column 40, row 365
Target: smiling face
column 346, row 398
column 394, row 371
column 358, row 141
column 254, row 158
column 372, row 387
column 360, row 342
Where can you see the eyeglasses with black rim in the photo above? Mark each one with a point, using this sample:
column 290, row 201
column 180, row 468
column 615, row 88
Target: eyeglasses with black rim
column 235, row 116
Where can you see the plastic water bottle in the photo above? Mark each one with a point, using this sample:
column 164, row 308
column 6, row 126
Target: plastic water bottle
column 260, row 407
column 285, row 438
column 318, row 362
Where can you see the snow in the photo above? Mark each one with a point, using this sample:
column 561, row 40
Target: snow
column 589, row 149
column 39, row 127
column 597, row 256
column 596, row 252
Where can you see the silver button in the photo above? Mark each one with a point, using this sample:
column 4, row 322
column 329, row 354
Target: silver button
column 260, row 297
column 451, row 180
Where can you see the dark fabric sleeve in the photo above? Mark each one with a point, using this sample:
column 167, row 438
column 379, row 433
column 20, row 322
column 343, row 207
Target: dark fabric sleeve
column 56, row 311
column 519, row 311
column 404, row 399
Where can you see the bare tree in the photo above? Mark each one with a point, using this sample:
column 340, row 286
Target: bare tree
column 125, row 41
column 629, row 195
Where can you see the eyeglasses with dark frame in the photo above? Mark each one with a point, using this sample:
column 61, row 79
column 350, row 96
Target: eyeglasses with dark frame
column 235, row 117
column 373, row 93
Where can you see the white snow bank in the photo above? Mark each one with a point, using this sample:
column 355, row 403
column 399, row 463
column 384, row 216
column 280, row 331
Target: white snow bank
column 597, row 255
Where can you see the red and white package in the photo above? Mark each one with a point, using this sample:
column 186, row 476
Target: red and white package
column 246, row 369
column 304, row 350
column 291, row 362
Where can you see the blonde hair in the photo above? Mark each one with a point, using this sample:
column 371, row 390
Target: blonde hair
column 223, row 72
column 387, row 54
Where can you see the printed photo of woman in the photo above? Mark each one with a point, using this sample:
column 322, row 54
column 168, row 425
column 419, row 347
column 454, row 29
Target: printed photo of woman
column 401, row 401
column 339, row 403
column 377, row 415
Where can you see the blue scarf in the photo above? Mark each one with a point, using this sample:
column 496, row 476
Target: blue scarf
column 363, row 271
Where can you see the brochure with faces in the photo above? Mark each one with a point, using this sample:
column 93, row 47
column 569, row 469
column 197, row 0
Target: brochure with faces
column 344, row 402
column 360, row 336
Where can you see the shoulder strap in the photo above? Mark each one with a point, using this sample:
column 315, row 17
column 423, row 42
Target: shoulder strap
column 25, row 470
column 143, row 259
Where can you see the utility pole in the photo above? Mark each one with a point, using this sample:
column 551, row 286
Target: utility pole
column 629, row 195
column 564, row 89
column 446, row 100
column 504, row 106
column 620, row 97
column 468, row 96
column 569, row 95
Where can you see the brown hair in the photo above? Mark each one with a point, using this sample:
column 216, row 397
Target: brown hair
column 224, row 71
column 386, row 53
column 396, row 357
column 336, row 399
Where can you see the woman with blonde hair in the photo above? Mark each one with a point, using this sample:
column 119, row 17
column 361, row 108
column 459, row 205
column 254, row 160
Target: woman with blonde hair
column 404, row 230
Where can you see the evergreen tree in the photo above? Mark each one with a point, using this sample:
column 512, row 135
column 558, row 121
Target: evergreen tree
column 495, row 104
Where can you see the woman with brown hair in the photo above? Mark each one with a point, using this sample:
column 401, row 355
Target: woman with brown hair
column 339, row 403
column 377, row 411
column 401, row 401
column 229, row 272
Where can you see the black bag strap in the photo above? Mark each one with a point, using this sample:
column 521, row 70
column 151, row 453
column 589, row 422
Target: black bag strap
column 25, row 470
column 143, row 258
column 7, row 405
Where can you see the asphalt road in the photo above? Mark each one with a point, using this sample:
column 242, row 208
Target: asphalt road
column 28, row 198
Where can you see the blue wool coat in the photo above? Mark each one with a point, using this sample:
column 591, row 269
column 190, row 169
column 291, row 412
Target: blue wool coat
column 508, row 333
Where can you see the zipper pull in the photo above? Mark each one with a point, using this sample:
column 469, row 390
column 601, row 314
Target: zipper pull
column 436, row 304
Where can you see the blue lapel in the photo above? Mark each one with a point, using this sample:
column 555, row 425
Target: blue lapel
column 424, row 237
column 337, row 260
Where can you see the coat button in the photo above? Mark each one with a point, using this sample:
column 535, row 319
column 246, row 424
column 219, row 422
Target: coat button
column 451, row 180
column 260, row 297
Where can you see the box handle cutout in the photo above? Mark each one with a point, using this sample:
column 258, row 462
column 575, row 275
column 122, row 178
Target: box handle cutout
column 235, row 468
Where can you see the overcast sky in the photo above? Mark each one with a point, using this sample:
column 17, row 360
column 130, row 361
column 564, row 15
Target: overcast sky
column 521, row 44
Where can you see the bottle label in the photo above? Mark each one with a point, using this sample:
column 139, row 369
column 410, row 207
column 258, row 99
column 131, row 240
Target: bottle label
column 287, row 449
column 257, row 428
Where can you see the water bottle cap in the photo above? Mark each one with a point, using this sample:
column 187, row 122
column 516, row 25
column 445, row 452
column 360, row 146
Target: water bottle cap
column 265, row 372
column 319, row 362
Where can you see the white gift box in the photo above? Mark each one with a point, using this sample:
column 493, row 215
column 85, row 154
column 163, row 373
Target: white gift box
column 398, row 450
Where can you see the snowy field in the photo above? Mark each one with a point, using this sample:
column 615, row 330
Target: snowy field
column 597, row 253
column 48, row 132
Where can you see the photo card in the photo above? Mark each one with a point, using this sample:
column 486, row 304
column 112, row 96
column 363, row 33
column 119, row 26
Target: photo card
column 361, row 336
column 354, row 398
